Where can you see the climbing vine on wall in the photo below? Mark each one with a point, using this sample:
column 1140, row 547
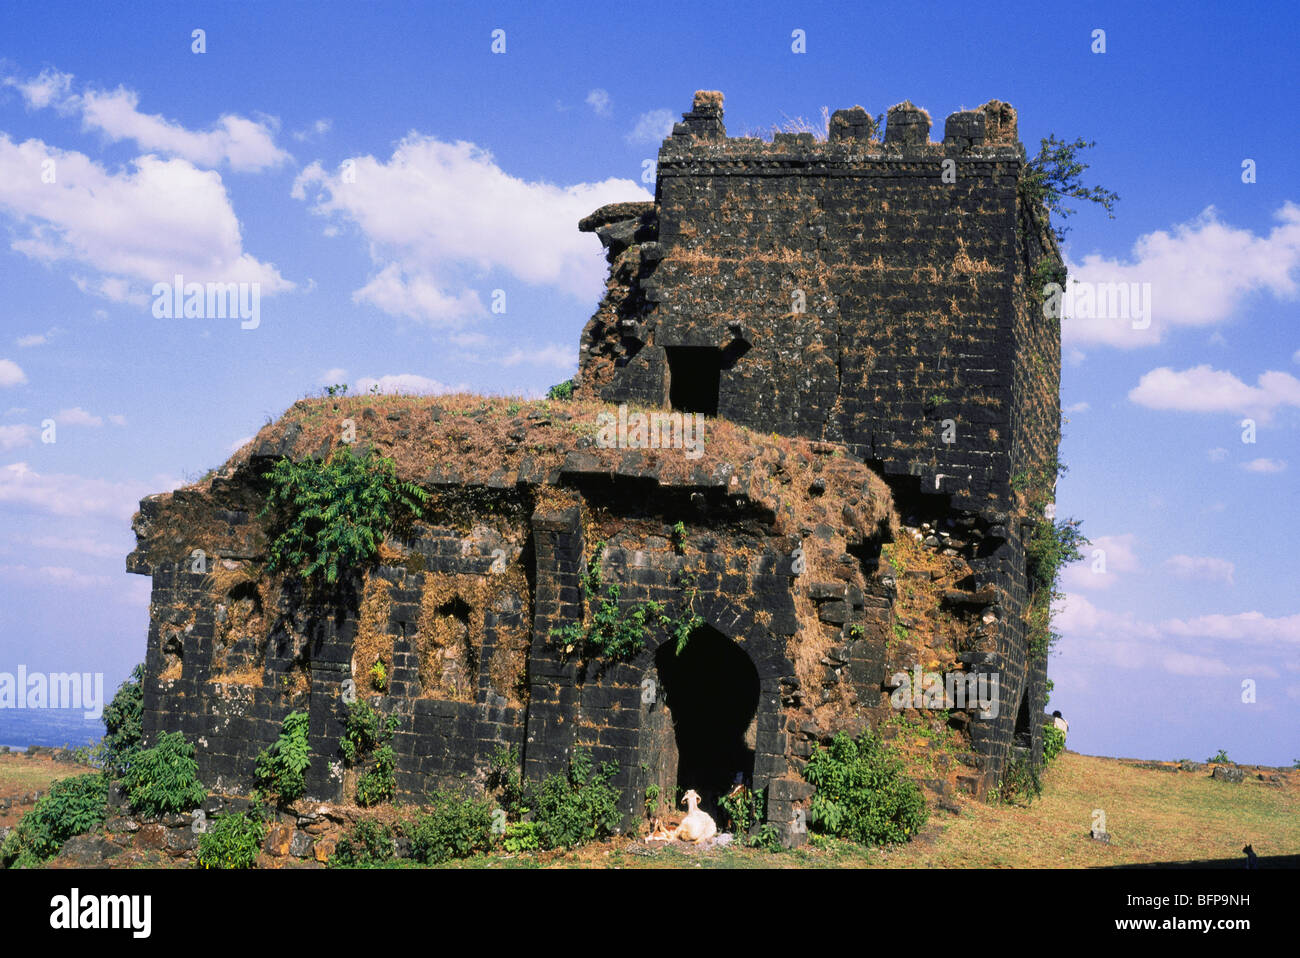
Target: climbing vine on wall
column 1051, row 545
column 609, row 631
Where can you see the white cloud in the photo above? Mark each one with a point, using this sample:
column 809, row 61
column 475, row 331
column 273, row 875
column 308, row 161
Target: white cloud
column 416, row 295
column 1185, row 663
column 1210, row 645
column 242, row 144
column 1204, row 389
column 652, row 127
column 1199, row 274
column 117, row 419
column 239, row 444
column 1217, row 454
column 1077, row 616
column 1104, row 562
column 599, row 101
column 438, row 216
column 11, row 374
column 50, row 88
column 332, row 377
column 11, row 437
column 76, row 416
column 82, row 544
column 71, row 495
column 1295, row 357
column 469, row 339
column 1253, row 627
column 550, row 355
column 409, row 383
column 1078, row 407
column 1264, row 465
column 1206, row 568
column 316, row 130
column 53, row 575
column 136, row 227
column 35, row 339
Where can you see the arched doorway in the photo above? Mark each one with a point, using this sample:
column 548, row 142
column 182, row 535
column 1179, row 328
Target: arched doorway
column 712, row 693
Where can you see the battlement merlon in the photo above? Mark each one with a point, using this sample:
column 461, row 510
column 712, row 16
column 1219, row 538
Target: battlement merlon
column 986, row 133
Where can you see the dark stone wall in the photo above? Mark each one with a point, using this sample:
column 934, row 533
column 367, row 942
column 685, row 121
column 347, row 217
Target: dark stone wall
column 304, row 665
column 871, row 293
column 879, row 293
column 874, row 296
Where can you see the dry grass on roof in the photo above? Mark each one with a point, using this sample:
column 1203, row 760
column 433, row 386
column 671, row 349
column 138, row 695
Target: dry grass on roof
column 475, row 437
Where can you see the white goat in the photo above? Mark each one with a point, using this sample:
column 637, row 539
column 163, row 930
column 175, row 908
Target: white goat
column 697, row 825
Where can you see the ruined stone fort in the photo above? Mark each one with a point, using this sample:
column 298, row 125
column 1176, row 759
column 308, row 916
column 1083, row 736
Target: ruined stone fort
column 853, row 317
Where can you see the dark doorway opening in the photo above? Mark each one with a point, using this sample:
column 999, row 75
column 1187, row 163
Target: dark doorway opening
column 1024, row 734
column 694, row 376
column 712, row 693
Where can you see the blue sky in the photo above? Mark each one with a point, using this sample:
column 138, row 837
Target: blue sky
column 471, row 170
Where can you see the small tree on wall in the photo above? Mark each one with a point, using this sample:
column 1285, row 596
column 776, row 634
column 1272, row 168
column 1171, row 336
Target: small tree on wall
column 328, row 518
column 1053, row 176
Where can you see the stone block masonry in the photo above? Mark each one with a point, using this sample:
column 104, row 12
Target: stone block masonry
column 855, row 318
column 870, row 293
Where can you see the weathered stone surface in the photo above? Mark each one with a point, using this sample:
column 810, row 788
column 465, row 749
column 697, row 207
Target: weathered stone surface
column 86, row 851
column 828, row 307
column 300, row 845
column 1228, row 773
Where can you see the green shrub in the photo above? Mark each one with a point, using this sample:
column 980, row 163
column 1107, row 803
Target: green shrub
column 364, row 730
column 745, row 809
column 123, row 723
column 280, row 767
column 331, row 517
column 679, row 536
column 378, row 783
column 1220, row 757
column 504, row 778
column 231, row 841
column 454, row 827
column 1051, row 546
column 609, row 631
column 72, row 806
column 862, row 792
column 366, row 844
column 1020, row 782
column 1052, row 176
column 1053, row 742
column 580, row 807
column 165, row 778
column 521, row 837
column 365, row 741
column 561, row 391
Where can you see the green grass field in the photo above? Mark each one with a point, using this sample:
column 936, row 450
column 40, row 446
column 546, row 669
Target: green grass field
column 1153, row 817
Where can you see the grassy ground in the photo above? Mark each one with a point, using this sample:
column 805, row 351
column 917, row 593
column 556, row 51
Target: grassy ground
column 20, row 775
column 1153, row 817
